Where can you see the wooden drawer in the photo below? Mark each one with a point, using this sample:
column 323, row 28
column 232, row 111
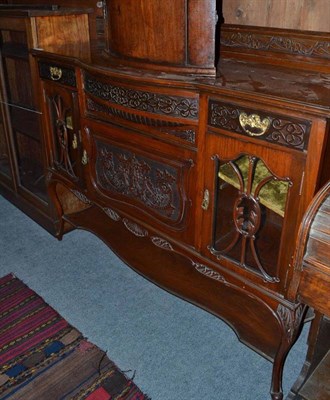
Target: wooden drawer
column 278, row 129
column 171, row 115
column 57, row 73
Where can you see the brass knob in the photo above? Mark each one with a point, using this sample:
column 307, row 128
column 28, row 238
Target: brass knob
column 55, row 73
column 253, row 125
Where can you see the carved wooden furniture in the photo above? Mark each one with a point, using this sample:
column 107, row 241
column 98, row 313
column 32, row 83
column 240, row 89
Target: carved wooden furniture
column 22, row 157
column 197, row 181
column 312, row 275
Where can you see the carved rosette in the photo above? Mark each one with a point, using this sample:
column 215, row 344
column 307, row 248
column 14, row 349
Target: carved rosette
column 151, row 183
column 151, row 102
column 292, row 133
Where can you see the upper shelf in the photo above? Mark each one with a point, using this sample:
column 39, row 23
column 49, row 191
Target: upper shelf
column 173, row 36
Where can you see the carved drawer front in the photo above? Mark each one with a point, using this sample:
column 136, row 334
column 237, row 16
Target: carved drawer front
column 57, row 73
column 278, row 129
column 139, row 178
column 170, row 114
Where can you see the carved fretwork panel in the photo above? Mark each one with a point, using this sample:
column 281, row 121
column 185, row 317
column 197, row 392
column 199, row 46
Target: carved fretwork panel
column 250, row 210
column 171, row 129
column 143, row 100
column 65, row 138
column 60, row 113
column 150, row 184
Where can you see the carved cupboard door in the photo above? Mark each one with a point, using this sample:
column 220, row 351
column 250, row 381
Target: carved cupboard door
column 148, row 181
column 252, row 191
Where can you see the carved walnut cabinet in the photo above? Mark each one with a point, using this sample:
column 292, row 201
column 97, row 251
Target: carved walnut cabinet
column 197, row 180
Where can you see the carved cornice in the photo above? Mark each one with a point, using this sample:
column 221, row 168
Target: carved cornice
column 279, row 43
column 156, row 103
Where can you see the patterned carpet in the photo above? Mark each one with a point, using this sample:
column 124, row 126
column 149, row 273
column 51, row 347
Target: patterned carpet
column 43, row 357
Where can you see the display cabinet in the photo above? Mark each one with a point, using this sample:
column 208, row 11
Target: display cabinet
column 22, row 155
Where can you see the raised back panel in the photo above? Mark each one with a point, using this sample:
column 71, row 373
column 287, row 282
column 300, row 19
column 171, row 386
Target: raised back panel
column 173, row 35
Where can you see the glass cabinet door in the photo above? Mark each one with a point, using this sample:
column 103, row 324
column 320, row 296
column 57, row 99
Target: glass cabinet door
column 63, row 116
column 24, row 118
column 252, row 191
column 249, row 212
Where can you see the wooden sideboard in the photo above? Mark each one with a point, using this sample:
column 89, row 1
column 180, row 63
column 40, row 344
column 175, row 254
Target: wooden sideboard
column 198, row 182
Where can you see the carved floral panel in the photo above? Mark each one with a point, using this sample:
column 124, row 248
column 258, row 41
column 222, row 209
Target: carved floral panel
column 152, row 184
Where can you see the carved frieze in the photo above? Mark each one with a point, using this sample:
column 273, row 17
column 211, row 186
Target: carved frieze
column 151, row 183
column 283, row 44
column 156, row 103
column 291, row 132
column 175, row 129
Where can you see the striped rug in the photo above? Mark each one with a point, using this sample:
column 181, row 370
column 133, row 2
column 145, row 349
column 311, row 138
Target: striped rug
column 42, row 357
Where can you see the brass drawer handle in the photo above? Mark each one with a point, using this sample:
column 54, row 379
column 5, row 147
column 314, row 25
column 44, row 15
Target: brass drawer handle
column 84, row 159
column 55, row 73
column 253, row 125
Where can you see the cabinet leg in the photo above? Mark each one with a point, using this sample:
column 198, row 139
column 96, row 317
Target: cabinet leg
column 276, row 386
column 291, row 321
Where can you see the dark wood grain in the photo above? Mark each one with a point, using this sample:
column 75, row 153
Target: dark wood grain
column 175, row 170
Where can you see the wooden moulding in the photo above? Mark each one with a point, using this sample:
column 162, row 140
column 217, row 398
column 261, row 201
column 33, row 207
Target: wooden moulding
column 175, row 36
